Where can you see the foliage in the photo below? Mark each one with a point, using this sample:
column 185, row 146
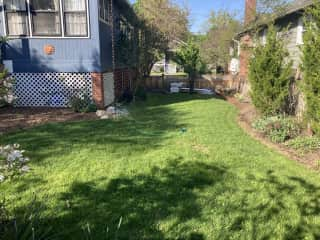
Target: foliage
column 141, row 94
column 12, row 162
column 145, row 42
column 215, row 47
column 310, row 66
column 305, row 144
column 127, row 96
column 7, row 85
column 82, row 103
column 212, row 182
column 278, row 128
column 270, row 75
column 24, row 227
column 188, row 56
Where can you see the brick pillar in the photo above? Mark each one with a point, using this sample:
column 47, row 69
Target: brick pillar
column 245, row 55
column 250, row 12
column 97, row 89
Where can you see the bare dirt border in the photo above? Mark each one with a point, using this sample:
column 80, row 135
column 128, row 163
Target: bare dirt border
column 246, row 116
column 13, row 119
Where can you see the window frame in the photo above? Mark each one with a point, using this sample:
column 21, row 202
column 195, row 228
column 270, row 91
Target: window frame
column 5, row 20
column 300, row 32
column 63, row 35
column 31, row 30
column 108, row 22
column 76, row 12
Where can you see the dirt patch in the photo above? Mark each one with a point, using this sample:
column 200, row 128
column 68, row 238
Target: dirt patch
column 20, row 118
column 247, row 114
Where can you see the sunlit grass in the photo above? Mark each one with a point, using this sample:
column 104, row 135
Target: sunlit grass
column 178, row 168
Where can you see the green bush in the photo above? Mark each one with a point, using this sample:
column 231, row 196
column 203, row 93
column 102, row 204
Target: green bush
column 310, row 66
column 279, row 128
column 141, row 94
column 270, row 75
column 304, row 144
column 82, row 103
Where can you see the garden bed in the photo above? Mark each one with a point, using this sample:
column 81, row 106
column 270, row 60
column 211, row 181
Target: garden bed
column 248, row 114
column 20, row 118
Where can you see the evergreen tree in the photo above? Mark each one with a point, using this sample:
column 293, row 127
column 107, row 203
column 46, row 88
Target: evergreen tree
column 310, row 66
column 269, row 75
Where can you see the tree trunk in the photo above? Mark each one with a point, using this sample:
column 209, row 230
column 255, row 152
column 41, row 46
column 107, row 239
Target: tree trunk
column 191, row 83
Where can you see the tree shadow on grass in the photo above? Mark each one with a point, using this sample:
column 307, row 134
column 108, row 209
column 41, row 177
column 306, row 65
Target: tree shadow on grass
column 145, row 129
column 167, row 99
column 288, row 209
column 142, row 202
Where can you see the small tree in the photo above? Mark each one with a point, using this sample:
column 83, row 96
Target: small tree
column 269, row 75
column 310, row 66
column 188, row 56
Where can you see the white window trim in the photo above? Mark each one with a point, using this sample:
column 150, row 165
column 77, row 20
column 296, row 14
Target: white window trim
column 264, row 36
column 46, row 37
column 300, row 31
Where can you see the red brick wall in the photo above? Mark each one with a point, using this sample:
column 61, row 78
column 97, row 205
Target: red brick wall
column 123, row 80
column 246, row 44
column 97, row 89
column 250, row 14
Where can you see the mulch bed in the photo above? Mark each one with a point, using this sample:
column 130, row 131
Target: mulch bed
column 20, row 118
column 247, row 114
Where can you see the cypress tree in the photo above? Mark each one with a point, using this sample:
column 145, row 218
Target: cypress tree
column 269, row 75
column 311, row 66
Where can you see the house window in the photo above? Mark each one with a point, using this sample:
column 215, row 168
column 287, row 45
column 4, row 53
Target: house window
column 264, row 36
column 75, row 18
column 300, row 31
column 104, row 10
column 45, row 17
column 17, row 17
column 40, row 18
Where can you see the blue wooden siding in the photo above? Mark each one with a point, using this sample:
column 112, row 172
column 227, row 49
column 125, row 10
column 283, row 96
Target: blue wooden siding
column 71, row 55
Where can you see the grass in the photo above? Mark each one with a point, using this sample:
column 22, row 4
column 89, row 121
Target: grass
column 179, row 168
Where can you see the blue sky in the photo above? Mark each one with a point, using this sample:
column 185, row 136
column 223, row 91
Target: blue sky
column 200, row 10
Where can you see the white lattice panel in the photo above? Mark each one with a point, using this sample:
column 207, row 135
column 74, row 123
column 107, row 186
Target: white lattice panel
column 108, row 85
column 50, row 89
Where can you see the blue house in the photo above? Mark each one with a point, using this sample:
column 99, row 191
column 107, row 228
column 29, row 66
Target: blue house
column 59, row 48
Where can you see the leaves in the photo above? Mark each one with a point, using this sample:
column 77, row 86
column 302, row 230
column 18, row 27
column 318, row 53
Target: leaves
column 310, row 66
column 270, row 75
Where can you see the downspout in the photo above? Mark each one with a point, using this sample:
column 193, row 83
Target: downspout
column 113, row 49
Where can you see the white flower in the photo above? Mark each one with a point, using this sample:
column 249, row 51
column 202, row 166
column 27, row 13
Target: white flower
column 1, row 178
column 25, row 169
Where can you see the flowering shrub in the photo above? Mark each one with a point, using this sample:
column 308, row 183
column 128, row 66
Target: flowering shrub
column 6, row 89
column 278, row 128
column 12, row 161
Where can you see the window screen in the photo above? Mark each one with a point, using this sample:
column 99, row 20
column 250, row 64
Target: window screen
column 17, row 17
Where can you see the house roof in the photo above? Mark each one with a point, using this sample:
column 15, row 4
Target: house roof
column 292, row 8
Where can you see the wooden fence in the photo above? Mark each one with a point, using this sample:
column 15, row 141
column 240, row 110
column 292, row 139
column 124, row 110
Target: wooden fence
column 205, row 82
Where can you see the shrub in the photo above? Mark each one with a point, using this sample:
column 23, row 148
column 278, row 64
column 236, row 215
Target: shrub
column 269, row 75
column 127, row 96
column 141, row 94
column 305, row 144
column 82, row 103
column 310, row 66
column 12, row 162
column 279, row 128
column 6, row 89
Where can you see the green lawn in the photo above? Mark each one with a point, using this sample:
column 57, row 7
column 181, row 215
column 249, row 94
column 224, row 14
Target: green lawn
column 179, row 168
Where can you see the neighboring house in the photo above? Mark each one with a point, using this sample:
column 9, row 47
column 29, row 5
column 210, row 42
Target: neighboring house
column 291, row 18
column 61, row 48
